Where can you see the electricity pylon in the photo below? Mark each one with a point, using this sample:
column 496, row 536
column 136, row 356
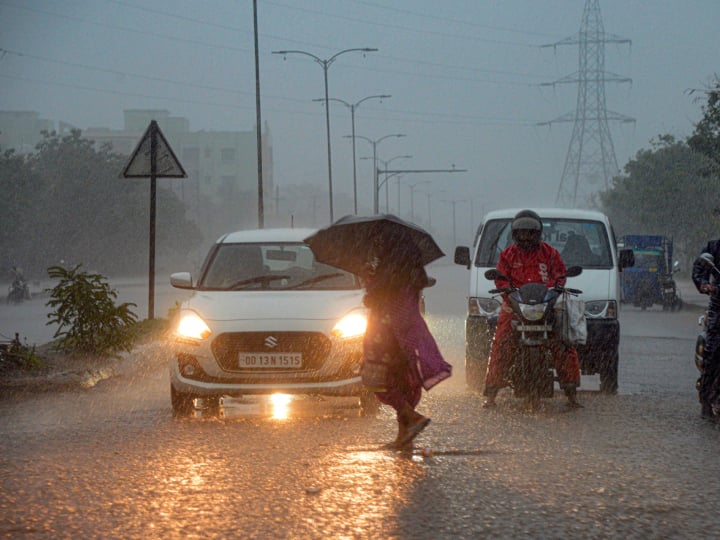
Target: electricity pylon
column 590, row 163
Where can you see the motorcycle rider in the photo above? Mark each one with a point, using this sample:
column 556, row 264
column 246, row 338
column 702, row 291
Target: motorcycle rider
column 19, row 288
column 709, row 387
column 529, row 260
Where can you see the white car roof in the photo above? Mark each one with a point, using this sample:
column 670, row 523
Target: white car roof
column 563, row 213
column 266, row 235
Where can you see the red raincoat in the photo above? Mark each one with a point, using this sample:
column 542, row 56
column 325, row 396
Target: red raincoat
column 540, row 265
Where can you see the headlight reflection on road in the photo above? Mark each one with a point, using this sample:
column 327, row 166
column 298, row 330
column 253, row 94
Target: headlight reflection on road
column 280, row 406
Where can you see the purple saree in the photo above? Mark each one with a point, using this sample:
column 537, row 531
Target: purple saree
column 398, row 337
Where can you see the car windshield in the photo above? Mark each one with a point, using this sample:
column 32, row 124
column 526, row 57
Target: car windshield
column 271, row 266
column 580, row 242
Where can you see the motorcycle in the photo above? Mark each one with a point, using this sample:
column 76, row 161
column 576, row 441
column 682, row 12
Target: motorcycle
column 535, row 324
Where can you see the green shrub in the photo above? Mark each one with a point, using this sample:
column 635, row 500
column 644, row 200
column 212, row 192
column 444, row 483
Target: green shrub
column 18, row 354
column 84, row 310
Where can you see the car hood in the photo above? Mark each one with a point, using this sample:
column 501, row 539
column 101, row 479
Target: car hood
column 263, row 305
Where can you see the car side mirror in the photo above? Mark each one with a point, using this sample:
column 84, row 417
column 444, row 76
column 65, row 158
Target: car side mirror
column 462, row 256
column 181, row 280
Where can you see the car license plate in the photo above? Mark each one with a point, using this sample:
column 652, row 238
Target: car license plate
column 270, row 360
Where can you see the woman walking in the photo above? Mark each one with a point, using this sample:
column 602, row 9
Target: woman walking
column 401, row 356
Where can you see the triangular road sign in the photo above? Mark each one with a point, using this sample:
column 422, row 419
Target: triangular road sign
column 166, row 164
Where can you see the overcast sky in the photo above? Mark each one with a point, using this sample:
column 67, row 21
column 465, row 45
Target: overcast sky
column 465, row 78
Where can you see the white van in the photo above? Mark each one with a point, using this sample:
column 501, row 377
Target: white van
column 599, row 281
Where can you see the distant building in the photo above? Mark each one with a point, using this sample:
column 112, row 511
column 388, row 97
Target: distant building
column 22, row 130
column 221, row 165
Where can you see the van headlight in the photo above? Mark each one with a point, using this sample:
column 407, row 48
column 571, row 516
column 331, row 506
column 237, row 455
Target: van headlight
column 483, row 306
column 351, row 325
column 606, row 309
column 192, row 326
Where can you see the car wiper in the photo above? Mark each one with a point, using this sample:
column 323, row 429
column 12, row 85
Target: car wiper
column 257, row 279
column 315, row 279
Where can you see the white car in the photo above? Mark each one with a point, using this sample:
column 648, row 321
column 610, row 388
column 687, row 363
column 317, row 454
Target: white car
column 265, row 317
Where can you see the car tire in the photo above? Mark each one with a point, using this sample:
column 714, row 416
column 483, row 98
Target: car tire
column 475, row 370
column 609, row 374
column 369, row 404
column 182, row 404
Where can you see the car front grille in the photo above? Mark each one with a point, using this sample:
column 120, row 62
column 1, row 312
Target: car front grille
column 314, row 347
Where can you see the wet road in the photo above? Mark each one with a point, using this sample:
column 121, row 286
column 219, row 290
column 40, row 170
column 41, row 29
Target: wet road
column 112, row 462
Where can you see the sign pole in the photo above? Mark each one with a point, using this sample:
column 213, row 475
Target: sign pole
column 153, row 206
column 153, row 158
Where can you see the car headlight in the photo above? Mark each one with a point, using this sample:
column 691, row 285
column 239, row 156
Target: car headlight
column 601, row 309
column 351, row 325
column 191, row 325
column 483, row 306
column 533, row 312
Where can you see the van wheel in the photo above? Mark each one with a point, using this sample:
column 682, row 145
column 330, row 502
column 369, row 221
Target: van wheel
column 609, row 374
column 475, row 374
column 182, row 404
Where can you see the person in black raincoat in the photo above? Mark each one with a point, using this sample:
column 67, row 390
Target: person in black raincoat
column 709, row 384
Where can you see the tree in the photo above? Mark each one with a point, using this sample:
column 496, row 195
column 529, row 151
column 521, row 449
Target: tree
column 706, row 137
column 666, row 190
column 69, row 206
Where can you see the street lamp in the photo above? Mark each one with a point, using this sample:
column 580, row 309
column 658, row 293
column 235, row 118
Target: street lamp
column 352, row 107
column 385, row 164
column 430, row 195
column 325, row 64
column 412, row 196
column 374, row 144
column 454, row 202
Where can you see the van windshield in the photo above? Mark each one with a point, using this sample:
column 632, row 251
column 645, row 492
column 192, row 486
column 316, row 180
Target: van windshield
column 580, row 242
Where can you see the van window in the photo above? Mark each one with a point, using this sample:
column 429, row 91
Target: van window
column 580, row 242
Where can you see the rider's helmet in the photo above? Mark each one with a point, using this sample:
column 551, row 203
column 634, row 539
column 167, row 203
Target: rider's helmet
column 526, row 230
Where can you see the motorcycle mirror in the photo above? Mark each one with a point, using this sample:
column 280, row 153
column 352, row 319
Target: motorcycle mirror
column 573, row 271
column 493, row 274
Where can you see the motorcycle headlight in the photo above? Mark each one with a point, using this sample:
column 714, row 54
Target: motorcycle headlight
column 601, row 309
column 351, row 325
column 190, row 325
column 533, row 312
column 483, row 306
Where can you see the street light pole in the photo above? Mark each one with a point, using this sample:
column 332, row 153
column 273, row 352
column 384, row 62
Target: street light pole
column 352, row 107
column 325, row 64
column 454, row 202
column 412, row 196
column 374, row 143
column 385, row 163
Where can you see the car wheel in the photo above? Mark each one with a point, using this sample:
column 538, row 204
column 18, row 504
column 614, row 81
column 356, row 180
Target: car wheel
column 182, row 404
column 475, row 370
column 609, row 374
column 369, row 404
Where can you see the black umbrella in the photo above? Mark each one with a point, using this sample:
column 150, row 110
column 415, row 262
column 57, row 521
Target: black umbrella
column 347, row 243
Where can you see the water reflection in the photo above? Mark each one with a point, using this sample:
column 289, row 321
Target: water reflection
column 280, row 406
column 277, row 407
